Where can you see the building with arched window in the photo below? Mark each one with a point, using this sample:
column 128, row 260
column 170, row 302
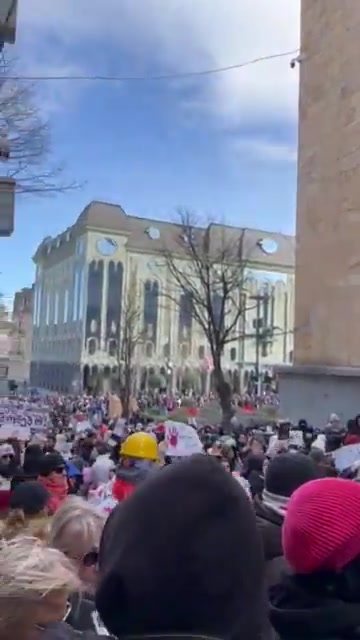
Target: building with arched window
column 87, row 276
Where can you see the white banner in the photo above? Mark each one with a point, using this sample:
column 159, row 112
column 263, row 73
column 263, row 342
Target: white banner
column 14, row 403
column 33, row 420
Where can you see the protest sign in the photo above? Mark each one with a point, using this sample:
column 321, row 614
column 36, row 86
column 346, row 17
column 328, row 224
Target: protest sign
column 19, row 433
column 346, row 456
column 115, row 406
column 181, row 439
column 33, row 420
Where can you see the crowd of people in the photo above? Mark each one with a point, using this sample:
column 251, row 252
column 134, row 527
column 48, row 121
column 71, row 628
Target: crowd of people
column 103, row 533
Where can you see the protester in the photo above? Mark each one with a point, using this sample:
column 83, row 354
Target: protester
column 284, row 474
column 35, row 584
column 321, row 540
column 182, row 555
column 53, row 478
column 138, row 456
column 8, row 468
column 28, row 512
column 102, row 467
column 253, row 472
column 76, row 530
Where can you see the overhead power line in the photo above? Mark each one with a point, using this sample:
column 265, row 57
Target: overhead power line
column 154, row 78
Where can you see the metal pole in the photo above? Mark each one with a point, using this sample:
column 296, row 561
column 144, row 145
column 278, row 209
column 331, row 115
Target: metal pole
column 257, row 344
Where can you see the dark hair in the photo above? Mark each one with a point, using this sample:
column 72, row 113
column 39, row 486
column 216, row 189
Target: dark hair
column 32, row 457
column 31, row 497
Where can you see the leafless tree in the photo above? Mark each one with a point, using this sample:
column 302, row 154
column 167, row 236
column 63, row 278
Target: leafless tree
column 25, row 140
column 131, row 334
column 209, row 266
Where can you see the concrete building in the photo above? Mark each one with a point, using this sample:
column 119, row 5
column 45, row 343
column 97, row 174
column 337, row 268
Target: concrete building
column 82, row 279
column 21, row 336
column 325, row 377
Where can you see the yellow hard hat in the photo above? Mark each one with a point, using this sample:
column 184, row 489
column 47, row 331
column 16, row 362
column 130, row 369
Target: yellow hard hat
column 140, row 445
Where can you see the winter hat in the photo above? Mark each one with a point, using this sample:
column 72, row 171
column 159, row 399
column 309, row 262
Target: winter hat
column 321, row 530
column 182, row 555
column 288, row 471
column 30, row 496
column 50, row 462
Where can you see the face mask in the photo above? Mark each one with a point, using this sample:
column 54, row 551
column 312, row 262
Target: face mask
column 143, row 465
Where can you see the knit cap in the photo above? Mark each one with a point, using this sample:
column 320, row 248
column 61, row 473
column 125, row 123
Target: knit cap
column 321, row 530
column 288, row 471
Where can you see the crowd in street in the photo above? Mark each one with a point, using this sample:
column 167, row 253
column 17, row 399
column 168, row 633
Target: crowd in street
column 156, row 528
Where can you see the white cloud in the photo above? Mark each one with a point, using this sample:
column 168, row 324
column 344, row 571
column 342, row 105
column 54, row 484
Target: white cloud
column 263, row 150
column 177, row 35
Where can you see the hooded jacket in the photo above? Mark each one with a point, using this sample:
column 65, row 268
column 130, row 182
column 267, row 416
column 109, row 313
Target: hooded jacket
column 303, row 607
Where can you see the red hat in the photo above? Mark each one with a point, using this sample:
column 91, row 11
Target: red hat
column 321, row 530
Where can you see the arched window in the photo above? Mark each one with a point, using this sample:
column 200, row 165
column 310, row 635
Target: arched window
column 201, row 352
column 216, row 304
column 92, row 346
column 149, row 349
column 151, row 296
column 112, row 348
column 233, row 354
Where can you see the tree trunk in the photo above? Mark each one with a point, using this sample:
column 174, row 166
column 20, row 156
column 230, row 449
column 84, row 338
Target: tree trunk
column 127, row 391
column 225, row 395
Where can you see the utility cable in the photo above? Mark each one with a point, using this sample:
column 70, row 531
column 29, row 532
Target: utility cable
column 152, row 78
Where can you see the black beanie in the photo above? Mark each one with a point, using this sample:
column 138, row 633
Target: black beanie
column 288, row 471
column 50, row 462
column 182, row 555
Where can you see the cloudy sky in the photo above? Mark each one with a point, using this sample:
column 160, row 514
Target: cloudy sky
column 221, row 144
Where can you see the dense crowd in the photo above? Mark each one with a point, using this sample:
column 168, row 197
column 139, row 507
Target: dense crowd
column 256, row 534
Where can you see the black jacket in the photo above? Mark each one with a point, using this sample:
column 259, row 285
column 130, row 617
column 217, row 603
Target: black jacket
column 82, row 616
column 307, row 608
column 269, row 524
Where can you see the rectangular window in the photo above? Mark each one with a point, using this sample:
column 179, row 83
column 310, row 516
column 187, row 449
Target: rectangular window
column 78, row 300
column 66, row 306
column 39, row 306
column 47, row 316
column 36, row 298
column 56, row 308
column 75, row 296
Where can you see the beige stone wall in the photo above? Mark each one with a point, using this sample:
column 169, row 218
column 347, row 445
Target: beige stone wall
column 327, row 307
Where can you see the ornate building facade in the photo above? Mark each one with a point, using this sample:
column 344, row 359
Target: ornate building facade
column 84, row 278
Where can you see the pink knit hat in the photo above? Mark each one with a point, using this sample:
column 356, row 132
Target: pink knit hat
column 321, row 530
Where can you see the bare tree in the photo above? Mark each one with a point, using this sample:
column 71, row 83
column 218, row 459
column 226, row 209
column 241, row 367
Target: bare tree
column 25, row 140
column 209, row 266
column 131, row 334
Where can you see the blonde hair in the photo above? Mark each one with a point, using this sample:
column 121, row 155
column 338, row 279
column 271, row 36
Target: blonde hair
column 29, row 573
column 76, row 527
column 17, row 523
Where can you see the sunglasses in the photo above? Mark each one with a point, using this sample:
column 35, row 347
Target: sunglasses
column 91, row 558
column 7, row 456
column 59, row 470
